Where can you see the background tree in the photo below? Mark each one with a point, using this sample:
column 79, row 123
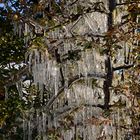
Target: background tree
column 80, row 76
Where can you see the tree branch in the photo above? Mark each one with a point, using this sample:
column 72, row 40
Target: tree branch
column 65, row 109
column 71, row 81
column 16, row 77
column 123, row 67
column 126, row 3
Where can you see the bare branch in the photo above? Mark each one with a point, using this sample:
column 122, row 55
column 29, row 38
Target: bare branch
column 71, row 81
column 15, row 78
column 67, row 109
column 123, row 67
column 127, row 3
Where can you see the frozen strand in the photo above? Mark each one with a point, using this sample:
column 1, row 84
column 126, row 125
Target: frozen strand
column 67, row 93
column 19, row 88
column 24, row 129
column 39, row 120
column 94, row 58
column 25, row 34
column 49, row 66
column 3, row 137
column 41, row 89
column 44, row 117
column 91, row 23
column 29, row 130
column 37, row 57
column 68, row 33
column 6, row 92
column 15, row 28
column 89, row 132
column 79, row 68
column 49, row 122
column 20, row 30
column 56, row 80
column 53, row 34
column 44, row 137
column 55, row 121
column 113, row 125
column 85, row 70
column 102, row 23
column 87, row 60
column 57, row 33
column 30, row 60
column 76, row 118
column 67, row 46
column 40, row 128
column 118, row 120
column 131, row 61
column 85, row 134
column 83, row 114
column 76, row 97
column 107, row 130
column 39, row 68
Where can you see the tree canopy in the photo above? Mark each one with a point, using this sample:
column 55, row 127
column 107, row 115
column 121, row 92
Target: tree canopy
column 69, row 70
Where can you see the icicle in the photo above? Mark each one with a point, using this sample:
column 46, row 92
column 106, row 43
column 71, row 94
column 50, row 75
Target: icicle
column 20, row 30
column 68, row 135
column 118, row 120
column 128, row 120
column 57, row 33
column 83, row 114
column 41, row 91
column 49, row 122
column 107, row 130
column 4, row 137
column 55, row 121
column 24, row 129
column 26, row 34
column 38, row 123
column 15, row 28
column 19, row 88
column 6, row 92
column 85, row 134
column 76, row 118
column 44, row 137
column 114, row 122
column 40, row 128
column 44, row 117
column 29, row 130
column 79, row 68
column 91, row 23
column 56, row 80
column 30, row 55
column 68, row 33
column 67, row 93
column 102, row 20
column 49, row 66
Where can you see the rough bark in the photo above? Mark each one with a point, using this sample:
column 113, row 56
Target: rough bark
column 108, row 81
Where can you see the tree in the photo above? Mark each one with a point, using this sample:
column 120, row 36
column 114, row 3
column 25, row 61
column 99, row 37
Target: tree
column 80, row 76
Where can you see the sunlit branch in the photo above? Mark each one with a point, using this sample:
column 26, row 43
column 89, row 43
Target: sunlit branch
column 73, row 80
column 70, row 109
column 123, row 67
column 127, row 3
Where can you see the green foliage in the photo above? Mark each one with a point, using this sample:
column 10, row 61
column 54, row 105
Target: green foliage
column 11, row 48
column 12, row 53
column 11, row 111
